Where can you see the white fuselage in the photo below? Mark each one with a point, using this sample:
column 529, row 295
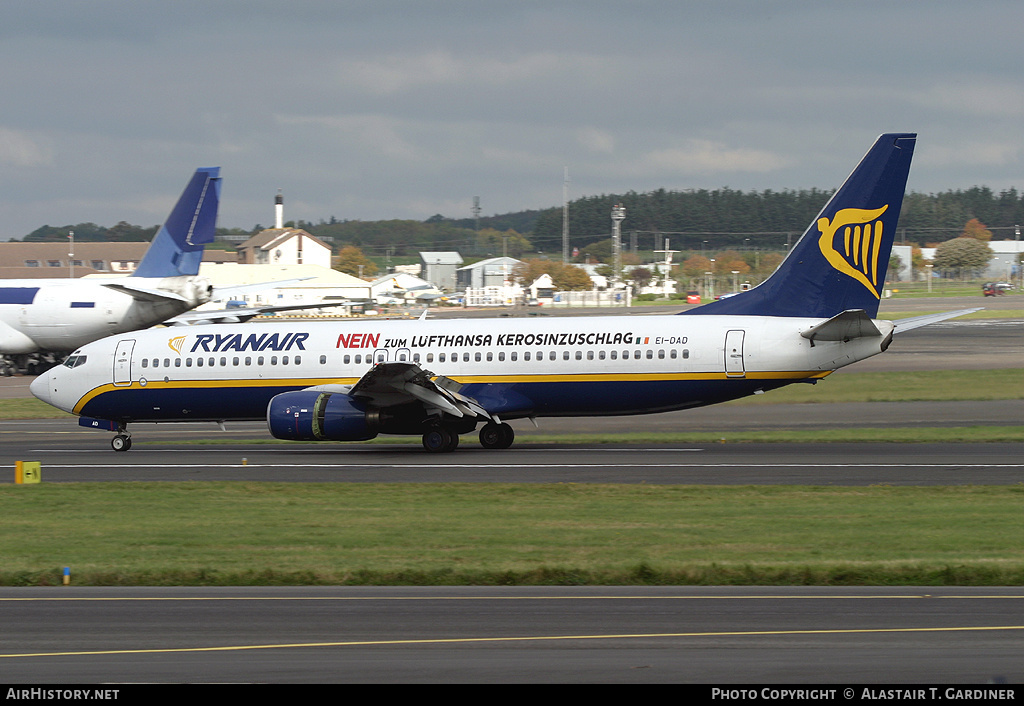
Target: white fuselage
column 513, row 367
column 58, row 315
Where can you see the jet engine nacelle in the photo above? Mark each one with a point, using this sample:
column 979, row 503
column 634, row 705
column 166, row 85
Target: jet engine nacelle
column 308, row 415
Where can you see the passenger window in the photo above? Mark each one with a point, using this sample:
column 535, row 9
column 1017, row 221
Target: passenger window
column 273, row 360
column 259, row 360
column 686, row 353
column 615, row 355
column 188, row 362
column 650, row 354
column 661, row 353
column 514, row 355
column 145, row 362
column 590, row 355
column 672, row 353
column 177, row 362
column 490, row 356
column 465, row 357
column 430, row 357
column 167, row 362
column 565, row 355
column 579, row 355
column 284, row 360
column 199, row 362
column 346, row 360
column 223, row 361
column 234, row 361
column 526, row 355
column 501, row 356
column 476, row 356
column 248, row 360
column 440, row 357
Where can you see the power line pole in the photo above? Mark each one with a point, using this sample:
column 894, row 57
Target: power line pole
column 618, row 215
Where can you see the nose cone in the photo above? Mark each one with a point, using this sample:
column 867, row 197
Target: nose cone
column 42, row 388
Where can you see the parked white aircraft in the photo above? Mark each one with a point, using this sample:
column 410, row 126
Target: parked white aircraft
column 443, row 378
column 43, row 318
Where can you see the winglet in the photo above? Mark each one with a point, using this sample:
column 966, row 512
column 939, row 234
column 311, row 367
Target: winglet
column 177, row 248
column 840, row 262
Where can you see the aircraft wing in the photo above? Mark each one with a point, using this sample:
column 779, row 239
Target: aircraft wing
column 919, row 321
column 388, row 384
column 238, row 315
column 240, row 290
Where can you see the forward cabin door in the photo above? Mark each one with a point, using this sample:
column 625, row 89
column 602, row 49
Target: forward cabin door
column 123, row 362
column 734, row 354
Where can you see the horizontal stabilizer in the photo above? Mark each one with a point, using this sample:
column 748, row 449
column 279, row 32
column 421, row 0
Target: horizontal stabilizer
column 145, row 294
column 919, row 321
column 845, row 326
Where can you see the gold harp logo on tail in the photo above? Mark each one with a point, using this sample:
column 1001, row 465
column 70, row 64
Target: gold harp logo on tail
column 852, row 242
column 175, row 344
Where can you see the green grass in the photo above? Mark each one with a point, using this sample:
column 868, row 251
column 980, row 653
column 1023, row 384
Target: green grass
column 445, row 534
column 983, row 314
column 907, row 386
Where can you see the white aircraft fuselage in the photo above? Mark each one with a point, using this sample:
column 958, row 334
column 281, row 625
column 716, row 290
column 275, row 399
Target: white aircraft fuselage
column 60, row 315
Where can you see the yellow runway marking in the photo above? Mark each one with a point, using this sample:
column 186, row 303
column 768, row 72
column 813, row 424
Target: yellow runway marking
column 534, row 638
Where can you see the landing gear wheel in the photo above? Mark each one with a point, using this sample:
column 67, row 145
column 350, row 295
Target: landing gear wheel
column 440, row 440
column 121, row 442
column 496, row 436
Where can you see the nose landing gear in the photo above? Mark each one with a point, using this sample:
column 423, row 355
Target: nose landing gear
column 123, row 440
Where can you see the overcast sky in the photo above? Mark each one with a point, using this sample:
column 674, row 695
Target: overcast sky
column 406, row 108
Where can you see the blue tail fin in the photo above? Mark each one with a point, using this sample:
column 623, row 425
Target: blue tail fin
column 841, row 260
column 177, row 248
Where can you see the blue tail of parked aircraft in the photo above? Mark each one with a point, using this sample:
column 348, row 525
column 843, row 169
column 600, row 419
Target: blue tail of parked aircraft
column 840, row 262
column 177, row 248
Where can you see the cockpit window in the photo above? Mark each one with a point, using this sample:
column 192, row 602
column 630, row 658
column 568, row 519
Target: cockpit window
column 74, row 361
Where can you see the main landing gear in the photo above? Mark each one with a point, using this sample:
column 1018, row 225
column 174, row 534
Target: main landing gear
column 440, row 439
column 496, row 436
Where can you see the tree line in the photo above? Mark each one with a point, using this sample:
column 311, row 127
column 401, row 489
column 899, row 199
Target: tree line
column 693, row 219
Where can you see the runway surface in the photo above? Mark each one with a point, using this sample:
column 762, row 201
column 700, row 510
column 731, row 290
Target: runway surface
column 71, row 459
column 705, row 635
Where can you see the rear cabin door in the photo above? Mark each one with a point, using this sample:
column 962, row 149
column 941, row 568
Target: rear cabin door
column 734, row 354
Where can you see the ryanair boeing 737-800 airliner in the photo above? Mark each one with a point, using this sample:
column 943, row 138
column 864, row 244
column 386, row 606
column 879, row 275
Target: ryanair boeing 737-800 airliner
column 348, row 381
